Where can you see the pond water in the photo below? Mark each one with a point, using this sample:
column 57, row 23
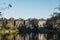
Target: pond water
column 28, row 36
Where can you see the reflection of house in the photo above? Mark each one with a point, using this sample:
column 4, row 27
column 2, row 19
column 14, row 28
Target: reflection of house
column 17, row 37
column 27, row 37
column 52, row 36
column 19, row 22
column 10, row 21
column 42, row 37
column 41, row 22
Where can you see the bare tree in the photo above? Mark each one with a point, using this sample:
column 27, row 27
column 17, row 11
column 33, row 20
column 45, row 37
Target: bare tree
column 4, row 8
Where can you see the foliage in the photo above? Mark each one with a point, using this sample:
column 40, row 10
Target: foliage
column 35, row 21
column 9, row 37
column 21, row 26
column 10, row 26
column 0, row 28
column 54, row 21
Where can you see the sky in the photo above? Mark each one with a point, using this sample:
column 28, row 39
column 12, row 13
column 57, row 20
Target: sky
column 29, row 8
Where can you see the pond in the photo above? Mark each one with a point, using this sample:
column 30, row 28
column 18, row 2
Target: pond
column 29, row 36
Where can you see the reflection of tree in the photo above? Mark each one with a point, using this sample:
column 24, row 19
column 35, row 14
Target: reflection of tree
column 9, row 37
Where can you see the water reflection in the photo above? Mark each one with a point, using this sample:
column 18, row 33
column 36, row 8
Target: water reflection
column 7, row 37
column 28, row 36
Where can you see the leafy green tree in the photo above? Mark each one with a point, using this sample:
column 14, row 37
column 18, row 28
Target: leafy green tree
column 35, row 21
column 21, row 26
column 58, row 24
column 53, row 21
column 10, row 26
column 0, row 28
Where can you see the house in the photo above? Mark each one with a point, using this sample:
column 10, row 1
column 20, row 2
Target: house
column 27, row 22
column 19, row 22
column 10, row 21
column 41, row 22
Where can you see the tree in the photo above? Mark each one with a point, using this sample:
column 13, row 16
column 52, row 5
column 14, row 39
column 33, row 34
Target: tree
column 35, row 21
column 10, row 26
column 0, row 28
column 54, row 19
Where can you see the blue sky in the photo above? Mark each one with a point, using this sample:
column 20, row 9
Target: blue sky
column 29, row 8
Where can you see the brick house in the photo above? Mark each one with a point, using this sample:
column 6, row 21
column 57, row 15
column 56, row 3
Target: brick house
column 10, row 21
column 41, row 22
column 19, row 22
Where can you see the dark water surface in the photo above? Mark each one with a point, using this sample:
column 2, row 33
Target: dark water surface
column 41, row 34
column 28, row 36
